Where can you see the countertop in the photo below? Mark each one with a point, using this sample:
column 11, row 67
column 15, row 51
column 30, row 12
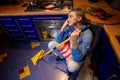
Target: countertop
column 17, row 9
column 7, row 10
column 113, row 33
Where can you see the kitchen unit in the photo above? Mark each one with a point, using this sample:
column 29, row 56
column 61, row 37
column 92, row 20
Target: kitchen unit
column 104, row 60
column 31, row 27
column 19, row 28
column 48, row 25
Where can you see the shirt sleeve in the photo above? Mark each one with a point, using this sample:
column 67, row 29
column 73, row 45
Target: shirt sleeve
column 79, row 53
column 63, row 35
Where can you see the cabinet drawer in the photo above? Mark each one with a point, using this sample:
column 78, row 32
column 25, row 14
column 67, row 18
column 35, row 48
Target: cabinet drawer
column 7, row 21
column 30, row 33
column 11, row 27
column 25, row 21
column 31, row 36
column 20, row 39
column 14, row 32
column 33, row 39
column 17, row 34
column 28, row 28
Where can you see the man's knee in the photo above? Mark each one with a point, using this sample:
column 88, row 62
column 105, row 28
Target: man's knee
column 73, row 66
column 52, row 44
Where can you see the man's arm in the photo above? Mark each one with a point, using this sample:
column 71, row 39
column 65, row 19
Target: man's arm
column 80, row 51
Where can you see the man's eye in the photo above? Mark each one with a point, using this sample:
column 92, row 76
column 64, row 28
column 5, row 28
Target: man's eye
column 70, row 16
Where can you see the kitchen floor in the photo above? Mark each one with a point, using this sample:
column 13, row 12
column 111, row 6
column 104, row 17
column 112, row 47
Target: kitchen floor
column 16, row 64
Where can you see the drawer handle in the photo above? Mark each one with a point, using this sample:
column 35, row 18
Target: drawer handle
column 31, row 36
column 29, row 31
column 24, row 19
column 5, row 19
column 13, row 30
column 26, row 25
column 9, row 25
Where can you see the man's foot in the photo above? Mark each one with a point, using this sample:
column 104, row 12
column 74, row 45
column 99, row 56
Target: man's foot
column 69, row 73
column 58, row 58
column 72, row 76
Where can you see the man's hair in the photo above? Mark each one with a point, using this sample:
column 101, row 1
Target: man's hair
column 80, row 12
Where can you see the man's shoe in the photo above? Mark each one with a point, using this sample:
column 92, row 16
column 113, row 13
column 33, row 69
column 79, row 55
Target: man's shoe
column 73, row 76
column 59, row 59
column 68, row 72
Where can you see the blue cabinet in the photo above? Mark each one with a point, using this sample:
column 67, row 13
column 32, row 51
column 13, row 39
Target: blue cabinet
column 11, row 27
column 20, row 27
column 27, row 25
column 104, row 61
column 109, row 66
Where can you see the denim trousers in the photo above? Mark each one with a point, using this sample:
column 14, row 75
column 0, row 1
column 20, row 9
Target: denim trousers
column 72, row 65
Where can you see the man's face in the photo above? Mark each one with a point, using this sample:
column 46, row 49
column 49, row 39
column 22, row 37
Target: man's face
column 73, row 18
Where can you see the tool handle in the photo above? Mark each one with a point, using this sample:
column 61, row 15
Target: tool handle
column 57, row 46
column 60, row 44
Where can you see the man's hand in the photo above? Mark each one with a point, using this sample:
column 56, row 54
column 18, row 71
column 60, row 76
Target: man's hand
column 74, row 37
column 66, row 23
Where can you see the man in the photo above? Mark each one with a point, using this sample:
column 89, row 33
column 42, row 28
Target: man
column 75, row 50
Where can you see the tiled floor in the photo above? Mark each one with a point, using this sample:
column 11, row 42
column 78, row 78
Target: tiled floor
column 18, row 57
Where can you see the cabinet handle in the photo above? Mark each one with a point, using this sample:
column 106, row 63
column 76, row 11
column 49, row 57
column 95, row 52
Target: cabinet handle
column 9, row 25
column 26, row 25
column 29, row 31
column 34, row 40
column 5, row 19
column 24, row 19
column 31, row 36
column 13, row 30
column 19, row 39
column 16, row 34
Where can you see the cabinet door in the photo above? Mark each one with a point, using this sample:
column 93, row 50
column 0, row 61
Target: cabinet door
column 110, row 67
column 11, row 27
column 104, row 61
column 27, row 25
column 47, row 26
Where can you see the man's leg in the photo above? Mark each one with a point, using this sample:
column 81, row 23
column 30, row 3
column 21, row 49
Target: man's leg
column 73, row 68
column 56, row 52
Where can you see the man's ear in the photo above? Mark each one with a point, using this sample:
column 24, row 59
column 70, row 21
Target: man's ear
column 79, row 18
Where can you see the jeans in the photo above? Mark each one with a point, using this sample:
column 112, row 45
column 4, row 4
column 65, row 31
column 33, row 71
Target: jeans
column 72, row 65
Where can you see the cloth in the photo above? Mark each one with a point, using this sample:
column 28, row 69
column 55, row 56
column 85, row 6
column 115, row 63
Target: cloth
column 66, row 50
column 72, row 65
